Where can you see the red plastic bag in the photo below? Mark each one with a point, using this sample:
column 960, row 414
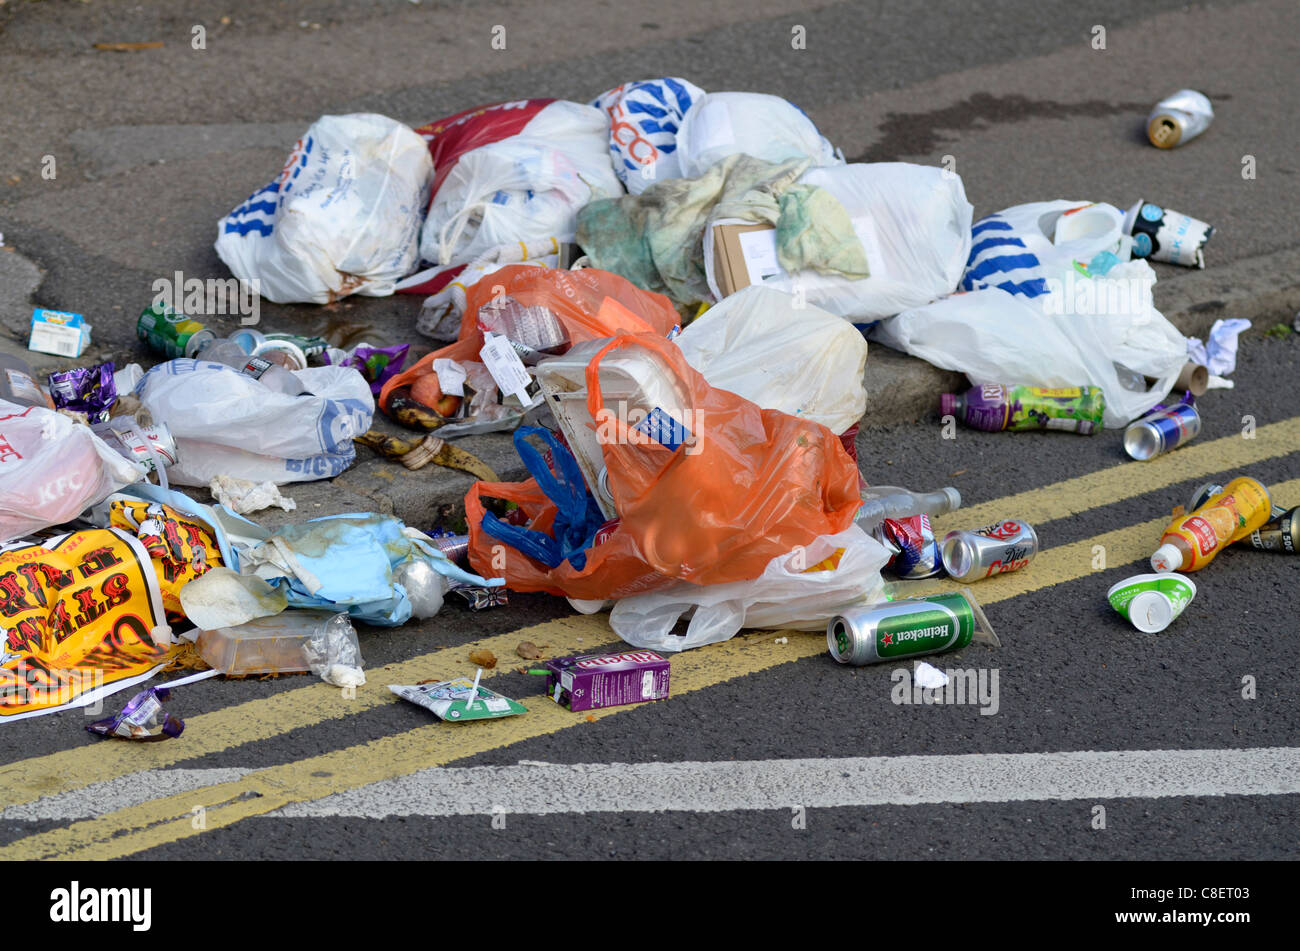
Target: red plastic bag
column 577, row 298
column 746, row 486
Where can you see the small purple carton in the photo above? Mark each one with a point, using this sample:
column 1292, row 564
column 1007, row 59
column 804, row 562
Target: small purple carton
column 607, row 680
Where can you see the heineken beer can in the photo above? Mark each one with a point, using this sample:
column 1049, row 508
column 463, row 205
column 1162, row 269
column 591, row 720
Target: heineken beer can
column 169, row 332
column 1178, row 118
column 904, row 628
column 1001, row 547
column 1162, row 431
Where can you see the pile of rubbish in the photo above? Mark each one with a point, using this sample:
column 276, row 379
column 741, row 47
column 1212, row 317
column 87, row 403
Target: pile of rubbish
column 666, row 296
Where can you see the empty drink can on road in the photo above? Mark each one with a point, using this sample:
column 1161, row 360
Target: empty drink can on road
column 1162, row 431
column 1001, row 547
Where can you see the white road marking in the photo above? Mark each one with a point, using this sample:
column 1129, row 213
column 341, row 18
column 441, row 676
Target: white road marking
column 544, row 788
column 120, row 793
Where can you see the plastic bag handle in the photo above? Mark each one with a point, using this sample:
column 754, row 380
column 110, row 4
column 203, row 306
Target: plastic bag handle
column 596, row 399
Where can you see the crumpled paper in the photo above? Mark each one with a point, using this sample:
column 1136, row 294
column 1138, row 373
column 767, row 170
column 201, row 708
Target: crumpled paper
column 243, row 496
column 1219, row 356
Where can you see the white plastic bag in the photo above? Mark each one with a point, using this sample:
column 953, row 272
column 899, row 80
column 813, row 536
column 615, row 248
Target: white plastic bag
column 799, row 360
column 767, row 127
column 644, row 118
column 914, row 223
column 52, row 468
column 525, row 186
column 994, row 336
column 226, row 423
column 343, row 217
column 786, row 596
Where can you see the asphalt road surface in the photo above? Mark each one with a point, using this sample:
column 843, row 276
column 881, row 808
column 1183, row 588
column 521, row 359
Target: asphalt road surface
column 1087, row 738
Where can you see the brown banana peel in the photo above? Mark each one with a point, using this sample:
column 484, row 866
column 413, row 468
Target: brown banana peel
column 415, row 454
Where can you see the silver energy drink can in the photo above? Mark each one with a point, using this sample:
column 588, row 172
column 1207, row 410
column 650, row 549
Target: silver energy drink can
column 1178, row 118
column 1160, row 432
column 1001, row 547
column 904, row 628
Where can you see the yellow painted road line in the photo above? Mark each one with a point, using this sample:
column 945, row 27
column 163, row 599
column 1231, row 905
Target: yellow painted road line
column 265, row 718
column 145, row 826
column 29, row 779
column 173, row 818
column 1130, row 479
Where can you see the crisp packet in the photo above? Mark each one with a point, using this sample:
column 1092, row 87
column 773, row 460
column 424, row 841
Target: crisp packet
column 376, row 364
column 85, row 390
column 143, row 718
column 449, row 700
column 479, row 597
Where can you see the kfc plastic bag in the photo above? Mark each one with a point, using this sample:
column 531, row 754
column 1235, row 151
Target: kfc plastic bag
column 343, row 217
column 52, row 468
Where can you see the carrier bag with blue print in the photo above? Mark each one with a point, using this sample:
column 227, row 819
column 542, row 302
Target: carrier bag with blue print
column 227, row 423
column 1051, row 299
column 343, row 216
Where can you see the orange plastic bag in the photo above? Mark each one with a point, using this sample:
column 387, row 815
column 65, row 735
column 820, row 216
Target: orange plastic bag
column 575, row 297
column 745, row 486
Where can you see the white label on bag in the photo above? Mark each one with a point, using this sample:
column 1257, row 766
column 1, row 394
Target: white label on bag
column 865, row 229
column 506, row 367
column 451, row 377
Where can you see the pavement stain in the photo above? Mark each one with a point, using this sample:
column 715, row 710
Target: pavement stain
column 918, row 133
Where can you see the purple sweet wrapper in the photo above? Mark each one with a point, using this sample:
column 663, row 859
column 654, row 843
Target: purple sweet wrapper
column 376, row 364
column 143, row 718
column 88, row 390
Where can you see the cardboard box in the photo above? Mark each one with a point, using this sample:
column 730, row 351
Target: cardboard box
column 743, row 255
column 607, row 680
column 58, row 332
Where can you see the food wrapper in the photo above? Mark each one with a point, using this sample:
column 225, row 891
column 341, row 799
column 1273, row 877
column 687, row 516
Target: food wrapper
column 143, row 718
column 181, row 548
column 478, row 597
column 451, row 700
column 376, row 364
column 85, row 390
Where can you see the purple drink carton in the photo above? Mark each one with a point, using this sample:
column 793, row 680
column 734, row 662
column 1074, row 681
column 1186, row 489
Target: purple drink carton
column 607, row 680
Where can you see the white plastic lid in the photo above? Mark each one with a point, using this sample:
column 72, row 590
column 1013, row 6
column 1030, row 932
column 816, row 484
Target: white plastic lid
column 1167, row 558
column 1150, row 612
column 587, row 607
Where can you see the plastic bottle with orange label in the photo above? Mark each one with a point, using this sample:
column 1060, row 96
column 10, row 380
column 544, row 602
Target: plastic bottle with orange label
column 1192, row 541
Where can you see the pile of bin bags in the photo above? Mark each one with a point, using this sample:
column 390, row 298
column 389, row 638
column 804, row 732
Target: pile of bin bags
column 713, row 473
column 640, row 177
column 90, row 607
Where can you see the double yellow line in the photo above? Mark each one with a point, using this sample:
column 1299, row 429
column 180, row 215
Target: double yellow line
column 172, row 818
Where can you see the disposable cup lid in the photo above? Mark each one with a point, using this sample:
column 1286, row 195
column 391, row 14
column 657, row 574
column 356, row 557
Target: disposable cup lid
column 1150, row 612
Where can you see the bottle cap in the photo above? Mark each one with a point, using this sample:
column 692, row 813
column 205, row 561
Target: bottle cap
column 1167, row 558
column 954, row 497
column 1150, row 612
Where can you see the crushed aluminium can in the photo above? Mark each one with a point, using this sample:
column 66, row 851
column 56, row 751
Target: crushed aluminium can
column 913, row 546
column 905, row 628
column 1179, row 118
column 993, row 550
column 1281, row 534
column 1162, row 431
